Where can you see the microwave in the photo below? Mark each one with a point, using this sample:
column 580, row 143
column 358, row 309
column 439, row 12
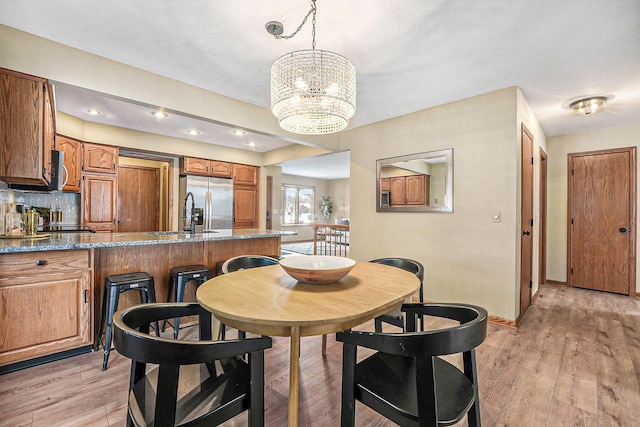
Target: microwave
column 385, row 201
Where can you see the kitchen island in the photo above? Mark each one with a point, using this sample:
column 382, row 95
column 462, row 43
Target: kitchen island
column 51, row 289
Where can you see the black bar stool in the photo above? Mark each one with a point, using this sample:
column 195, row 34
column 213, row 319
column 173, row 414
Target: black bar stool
column 113, row 286
column 179, row 276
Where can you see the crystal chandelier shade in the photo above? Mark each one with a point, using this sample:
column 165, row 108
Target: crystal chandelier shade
column 313, row 91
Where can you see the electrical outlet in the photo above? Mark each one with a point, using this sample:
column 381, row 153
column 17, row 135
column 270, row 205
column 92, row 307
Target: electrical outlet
column 496, row 216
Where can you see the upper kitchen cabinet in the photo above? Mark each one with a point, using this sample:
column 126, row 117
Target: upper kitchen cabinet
column 245, row 174
column 99, row 158
column 204, row 167
column 27, row 129
column 72, row 149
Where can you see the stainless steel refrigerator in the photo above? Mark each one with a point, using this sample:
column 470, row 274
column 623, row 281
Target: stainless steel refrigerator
column 213, row 200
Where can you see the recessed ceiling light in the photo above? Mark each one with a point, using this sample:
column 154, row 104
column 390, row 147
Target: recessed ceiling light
column 193, row 132
column 239, row 132
column 159, row 114
column 94, row 112
column 252, row 144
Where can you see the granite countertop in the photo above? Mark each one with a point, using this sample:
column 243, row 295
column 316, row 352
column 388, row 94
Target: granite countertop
column 66, row 241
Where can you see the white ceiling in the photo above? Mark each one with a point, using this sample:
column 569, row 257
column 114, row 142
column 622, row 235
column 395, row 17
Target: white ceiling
column 409, row 54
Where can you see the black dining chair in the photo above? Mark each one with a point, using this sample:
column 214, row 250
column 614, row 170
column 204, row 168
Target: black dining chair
column 405, row 380
column 244, row 262
column 192, row 382
column 395, row 317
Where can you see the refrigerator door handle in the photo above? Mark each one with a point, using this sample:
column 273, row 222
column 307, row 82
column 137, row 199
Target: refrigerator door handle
column 207, row 210
column 210, row 206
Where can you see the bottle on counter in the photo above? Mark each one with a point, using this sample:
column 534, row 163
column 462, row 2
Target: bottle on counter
column 13, row 224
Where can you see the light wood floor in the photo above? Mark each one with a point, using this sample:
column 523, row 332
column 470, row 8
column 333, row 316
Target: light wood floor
column 575, row 361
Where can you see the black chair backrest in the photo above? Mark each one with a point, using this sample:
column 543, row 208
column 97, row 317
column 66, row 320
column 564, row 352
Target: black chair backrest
column 159, row 403
column 470, row 333
column 244, row 262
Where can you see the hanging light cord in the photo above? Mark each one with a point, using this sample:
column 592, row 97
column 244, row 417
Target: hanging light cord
column 304, row 21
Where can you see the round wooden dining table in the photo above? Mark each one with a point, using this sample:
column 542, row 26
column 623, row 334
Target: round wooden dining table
column 267, row 301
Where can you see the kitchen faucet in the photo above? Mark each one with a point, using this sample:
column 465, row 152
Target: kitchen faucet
column 191, row 230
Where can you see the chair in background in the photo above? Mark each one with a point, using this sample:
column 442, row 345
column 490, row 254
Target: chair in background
column 395, row 317
column 244, row 262
column 178, row 278
column 114, row 285
column 195, row 383
column 405, row 380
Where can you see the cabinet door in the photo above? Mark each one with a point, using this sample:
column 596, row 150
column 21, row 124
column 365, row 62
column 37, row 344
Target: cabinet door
column 245, row 206
column 415, row 189
column 99, row 202
column 245, row 174
column 44, row 315
column 195, row 166
column 384, row 184
column 99, row 158
column 21, row 129
column 72, row 150
column 220, row 169
column 49, row 132
column 396, row 191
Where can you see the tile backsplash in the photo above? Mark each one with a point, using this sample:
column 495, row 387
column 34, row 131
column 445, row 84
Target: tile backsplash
column 69, row 203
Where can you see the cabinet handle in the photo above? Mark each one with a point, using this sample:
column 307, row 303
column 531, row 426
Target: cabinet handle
column 86, row 292
column 41, row 262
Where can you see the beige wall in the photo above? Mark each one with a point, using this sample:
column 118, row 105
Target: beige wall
column 467, row 257
column 339, row 190
column 558, row 149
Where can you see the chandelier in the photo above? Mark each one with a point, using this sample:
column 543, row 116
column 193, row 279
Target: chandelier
column 313, row 91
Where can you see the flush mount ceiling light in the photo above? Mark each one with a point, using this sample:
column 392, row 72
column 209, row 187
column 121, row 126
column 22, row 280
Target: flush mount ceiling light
column 159, row 114
column 313, row 91
column 583, row 107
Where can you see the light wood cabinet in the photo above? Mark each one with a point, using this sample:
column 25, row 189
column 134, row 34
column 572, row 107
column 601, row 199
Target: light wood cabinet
column 72, row 149
column 205, row 167
column 99, row 198
column 245, row 202
column 417, row 189
column 384, row 184
column 245, row 196
column 47, row 304
column 396, row 191
column 245, row 174
column 220, row 169
column 27, row 129
column 99, row 202
column 99, row 158
column 194, row 166
column 411, row 190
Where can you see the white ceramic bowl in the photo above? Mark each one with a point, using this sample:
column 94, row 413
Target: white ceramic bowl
column 317, row 269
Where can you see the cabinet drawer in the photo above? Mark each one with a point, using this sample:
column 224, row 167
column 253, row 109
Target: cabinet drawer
column 30, row 263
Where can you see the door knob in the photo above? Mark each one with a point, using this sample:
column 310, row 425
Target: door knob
column 526, row 233
column 623, row 230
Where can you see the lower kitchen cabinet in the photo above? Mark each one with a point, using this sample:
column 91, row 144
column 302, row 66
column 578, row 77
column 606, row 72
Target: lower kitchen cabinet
column 46, row 304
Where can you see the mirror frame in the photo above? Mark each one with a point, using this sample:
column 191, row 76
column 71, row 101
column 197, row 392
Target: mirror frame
column 446, row 208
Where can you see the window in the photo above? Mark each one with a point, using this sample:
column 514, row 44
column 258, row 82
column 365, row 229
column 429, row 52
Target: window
column 297, row 204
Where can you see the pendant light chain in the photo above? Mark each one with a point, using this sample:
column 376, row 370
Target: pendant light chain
column 304, row 21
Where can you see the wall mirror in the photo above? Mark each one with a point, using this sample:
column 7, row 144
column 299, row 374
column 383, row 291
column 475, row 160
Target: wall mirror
column 421, row 182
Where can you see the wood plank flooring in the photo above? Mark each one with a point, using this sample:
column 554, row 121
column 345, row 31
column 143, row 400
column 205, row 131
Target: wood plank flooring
column 575, row 361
